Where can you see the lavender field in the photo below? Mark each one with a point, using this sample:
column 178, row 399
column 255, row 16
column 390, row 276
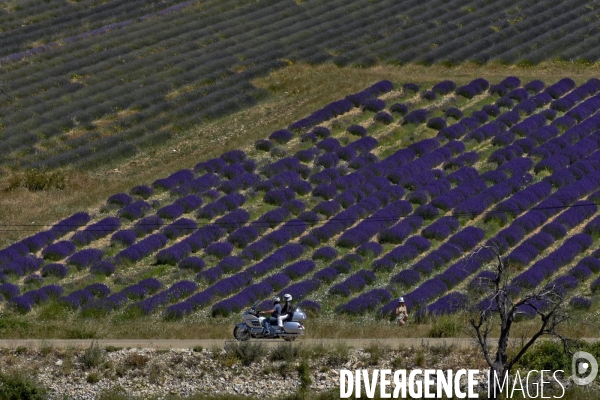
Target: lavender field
column 385, row 192
column 87, row 81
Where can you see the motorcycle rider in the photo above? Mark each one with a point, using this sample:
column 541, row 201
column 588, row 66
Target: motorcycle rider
column 275, row 313
column 285, row 311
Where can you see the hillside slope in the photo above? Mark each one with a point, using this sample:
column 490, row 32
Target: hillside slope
column 119, row 91
column 384, row 197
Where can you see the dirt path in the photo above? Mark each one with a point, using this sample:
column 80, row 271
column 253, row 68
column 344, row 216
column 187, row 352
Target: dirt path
column 460, row 343
column 211, row 343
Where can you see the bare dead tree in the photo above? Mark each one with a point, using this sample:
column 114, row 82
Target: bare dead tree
column 501, row 309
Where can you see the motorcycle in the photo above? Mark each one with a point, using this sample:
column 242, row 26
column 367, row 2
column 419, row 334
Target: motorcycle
column 252, row 326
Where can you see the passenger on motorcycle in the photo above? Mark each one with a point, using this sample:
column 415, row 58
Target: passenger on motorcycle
column 286, row 311
column 275, row 313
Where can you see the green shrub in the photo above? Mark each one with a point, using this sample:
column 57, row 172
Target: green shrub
column 442, row 350
column 36, row 180
column 376, row 350
column 444, row 327
column 46, row 347
column 93, row 377
column 18, row 384
column 114, row 393
column 339, row 354
column 246, row 352
column 400, row 362
column 593, row 348
column 546, row 354
column 93, row 356
column 420, row 357
column 313, row 351
column 135, row 360
column 80, row 333
column 304, row 374
column 284, row 351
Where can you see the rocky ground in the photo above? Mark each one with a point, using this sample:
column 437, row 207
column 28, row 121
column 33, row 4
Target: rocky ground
column 83, row 374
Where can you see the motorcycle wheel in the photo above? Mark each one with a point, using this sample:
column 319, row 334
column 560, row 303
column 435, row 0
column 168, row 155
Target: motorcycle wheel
column 289, row 338
column 241, row 334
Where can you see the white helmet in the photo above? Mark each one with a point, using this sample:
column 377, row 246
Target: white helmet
column 276, row 299
column 287, row 297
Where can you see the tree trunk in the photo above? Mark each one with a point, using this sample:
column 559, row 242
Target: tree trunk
column 495, row 385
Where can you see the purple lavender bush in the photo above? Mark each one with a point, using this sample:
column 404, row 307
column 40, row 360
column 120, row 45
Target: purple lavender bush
column 299, row 269
column 326, row 275
column 9, row 290
column 55, row 270
column 416, row 117
column 406, row 278
column 580, row 303
column 141, row 228
column 173, row 180
column 444, row 87
column 278, row 196
column 365, row 302
column 441, row 229
column 69, row 224
column 373, row 105
column 399, row 108
column 120, row 199
column 22, row 304
column 38, row 241
column 58, row 250
column 105, row 268
column 134, row 210
column 219, row 249
column 369, row 249
column 171, row 211
column 193, row 263
column 231, row 264
column 357, row 130
column 99, row 290
column 85, row 258
column 428, row 95
column 321, row 132
column 143, row 248
column 341, row 266
column 281, row 136
column 383, row 118
column 436, row 123
column 243, row 236
column 312, row 307
column 448, row 304
column 263, row 145
column 453, row 112
column 180, row 227
column 410, row 88
column 142, row 191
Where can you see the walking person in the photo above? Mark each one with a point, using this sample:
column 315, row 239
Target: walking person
column 401, row 312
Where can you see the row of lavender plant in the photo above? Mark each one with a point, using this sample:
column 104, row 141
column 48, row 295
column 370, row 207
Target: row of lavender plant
column 526, row 252
column 354, row 306
column 192, row 228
